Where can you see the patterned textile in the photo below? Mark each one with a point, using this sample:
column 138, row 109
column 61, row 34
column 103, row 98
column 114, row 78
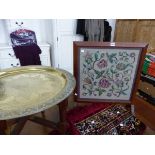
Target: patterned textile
column 112, row 120
column 23, row 37
column 107, row 73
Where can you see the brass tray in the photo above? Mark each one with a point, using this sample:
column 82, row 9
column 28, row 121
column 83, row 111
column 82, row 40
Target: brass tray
column 31, row 89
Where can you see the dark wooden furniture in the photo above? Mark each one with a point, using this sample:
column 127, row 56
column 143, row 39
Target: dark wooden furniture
column 145, row 112
column 145, row 101
column 88, row 49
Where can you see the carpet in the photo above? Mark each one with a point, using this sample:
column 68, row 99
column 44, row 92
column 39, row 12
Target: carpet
column 103, row 119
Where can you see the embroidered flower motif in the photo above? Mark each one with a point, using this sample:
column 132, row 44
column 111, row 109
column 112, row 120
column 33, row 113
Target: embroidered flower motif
column 87, row 80
column 104, row 83
column 120, row 66
column 107, row 74
column 102, row 64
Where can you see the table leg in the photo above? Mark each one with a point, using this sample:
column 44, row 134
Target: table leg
column 62, row 113
column 3, row 127
column 43, row 122
column 19, row 126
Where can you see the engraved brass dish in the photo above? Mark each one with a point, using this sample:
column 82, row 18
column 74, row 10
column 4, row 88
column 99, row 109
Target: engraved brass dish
column 31, row 89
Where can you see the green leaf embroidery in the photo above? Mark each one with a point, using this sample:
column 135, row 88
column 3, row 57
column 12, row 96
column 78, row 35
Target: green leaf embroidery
column 110, row 57
column 97, row 89
column 100, row 92
column 96, row 56
column 102, row 72
column 89, row 61
column 111, row 71
column 129, row 65
column 98, row 76
column 90, row 92
column 97, row 72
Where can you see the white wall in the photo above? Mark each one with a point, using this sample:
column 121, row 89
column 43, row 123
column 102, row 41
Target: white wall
column 42, row 27
column 4, row 35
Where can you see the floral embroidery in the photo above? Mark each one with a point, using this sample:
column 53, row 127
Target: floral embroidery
column 100, row 66
column 120, row 66
column 102, row 63
column 107, row 73
column 104, row 83
column 87, row 80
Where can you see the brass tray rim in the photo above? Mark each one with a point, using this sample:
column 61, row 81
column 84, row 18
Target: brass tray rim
column 63, row 94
